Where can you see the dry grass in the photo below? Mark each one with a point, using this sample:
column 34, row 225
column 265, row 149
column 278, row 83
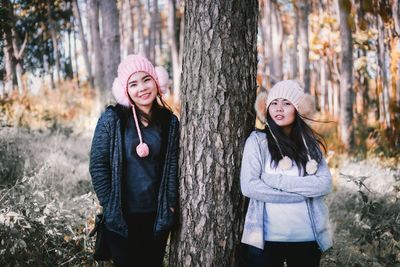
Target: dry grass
column 47, row 206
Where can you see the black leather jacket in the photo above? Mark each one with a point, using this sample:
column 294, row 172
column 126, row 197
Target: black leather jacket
column 106, row 169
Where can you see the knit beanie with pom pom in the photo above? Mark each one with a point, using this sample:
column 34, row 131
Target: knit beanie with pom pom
column 129, row 66
column 287, row 89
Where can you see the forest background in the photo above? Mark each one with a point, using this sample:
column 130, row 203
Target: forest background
column 58, row 61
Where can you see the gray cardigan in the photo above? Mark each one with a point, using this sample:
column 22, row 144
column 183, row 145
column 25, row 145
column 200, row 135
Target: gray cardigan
column 263, row 187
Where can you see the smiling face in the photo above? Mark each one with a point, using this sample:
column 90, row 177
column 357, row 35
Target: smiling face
column 142, row 89
column 282, row 112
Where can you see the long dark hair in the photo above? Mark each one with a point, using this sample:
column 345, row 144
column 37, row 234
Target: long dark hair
column 293, row 145
column 157, row 111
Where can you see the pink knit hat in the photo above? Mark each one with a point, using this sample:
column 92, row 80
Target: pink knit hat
column 287, row 89
column 129, row 66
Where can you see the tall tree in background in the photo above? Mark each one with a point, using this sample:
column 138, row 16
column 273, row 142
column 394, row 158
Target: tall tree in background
column 142, row 44
column 174, row 34
column 294, row 57
column 19, row 50
column 99, row 79
column 111, row 44
column 9, row 61
column 77, row 15
column 346, row 76
column 52, row 25
column 276, row 43
column 304, row 51
column 218, row 91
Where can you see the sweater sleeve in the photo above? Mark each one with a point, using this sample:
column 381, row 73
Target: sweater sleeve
column 250, row 177
column 316, row 185
column 100, row 163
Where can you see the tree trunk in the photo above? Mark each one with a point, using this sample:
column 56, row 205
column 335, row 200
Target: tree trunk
column 323, row 79
column 396, row 15
column 77, row 15
column 131, row 29
column 384, row 114
column 268, row 44
column 141, row 47
column 111, row 45
column 276, row 42
column 151, row 26
column 304, row 60
column 294, row 60
column 173, row 38
column 54, row 39
column 157, row 32
column 262, row 25
column 346, row 77
column 9, row 60
column 218, row 93
column 97, row 46
column 76, row 59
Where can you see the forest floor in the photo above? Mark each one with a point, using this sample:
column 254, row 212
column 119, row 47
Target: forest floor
column 47, row 204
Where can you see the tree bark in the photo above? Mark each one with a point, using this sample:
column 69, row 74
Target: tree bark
column 396, row 15
column 76, row 60
column 131, row 29
column 218, row 92
column 383, row 81
column 268, row 44
column 157, row 32
column 323, row 85
column 141, row 47
column 111, row 45
column 18, row 55
column 346, row 77
column 262, row 25
column 97, row 46
column 54, row 39
column 276, row 42
column 304, row 60
column 174, row 42
column 294, row 60
column 77, row 15
column 9, row 60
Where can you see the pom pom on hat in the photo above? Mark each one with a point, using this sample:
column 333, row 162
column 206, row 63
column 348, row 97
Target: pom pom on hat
column 261, row 107
column 163, row 79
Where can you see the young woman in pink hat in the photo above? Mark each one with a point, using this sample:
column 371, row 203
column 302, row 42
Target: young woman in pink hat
column 285, row 177
column 134, row 165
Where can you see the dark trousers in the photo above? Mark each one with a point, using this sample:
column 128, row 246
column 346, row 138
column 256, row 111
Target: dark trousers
column 276, row 253
column 141, row 248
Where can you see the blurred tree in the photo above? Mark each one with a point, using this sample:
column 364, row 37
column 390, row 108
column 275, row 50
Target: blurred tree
column 97, row 45
column 77, row 15
column 142, row 42
column 218, row 92
column 52, row 26
column 110, row 45
column 346, row 76
column 6, row 32
column 276, row 42
column 173, row 32
column 303, row 10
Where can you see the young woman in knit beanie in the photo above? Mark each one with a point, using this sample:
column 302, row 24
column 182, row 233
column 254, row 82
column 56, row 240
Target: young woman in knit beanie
column 133, row 164
column 285, row 176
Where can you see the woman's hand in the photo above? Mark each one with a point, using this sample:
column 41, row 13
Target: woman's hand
column 172, row 209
